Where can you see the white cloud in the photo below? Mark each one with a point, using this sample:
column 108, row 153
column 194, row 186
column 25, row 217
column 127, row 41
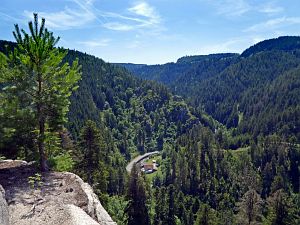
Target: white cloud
column 270, row 8
column 120, row 16
column 68, row 18
column 64, row 20
column 230, row 8
column 234, row 8
column 118, row 26
column 145, row 10
column 232, row 45
column 95, row 43
column 274, row 24
column 141, row 15
column 7, row 17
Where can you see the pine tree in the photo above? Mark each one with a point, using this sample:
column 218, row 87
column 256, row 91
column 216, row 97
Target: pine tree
column 40, row 76
column 90, row 144
column 160, row 206
column 137, row 210
column 281, row 209
column 171, row 219
column 250, row 208
column 205, row 216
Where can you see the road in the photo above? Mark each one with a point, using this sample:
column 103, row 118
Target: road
column 138, row 159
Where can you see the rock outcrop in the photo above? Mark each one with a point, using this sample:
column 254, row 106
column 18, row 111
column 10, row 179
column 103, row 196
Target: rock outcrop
column 3, row 208
column 56, row 198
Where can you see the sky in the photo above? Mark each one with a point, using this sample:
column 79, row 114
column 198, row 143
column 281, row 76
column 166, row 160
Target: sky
column 155, row 31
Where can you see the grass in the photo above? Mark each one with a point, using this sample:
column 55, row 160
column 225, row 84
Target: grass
column 238, row 153
column 154, row 157
column 151, row 176
column 239, row 150
column 134, row 154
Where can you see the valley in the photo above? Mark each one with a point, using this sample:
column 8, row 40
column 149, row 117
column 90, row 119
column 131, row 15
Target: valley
column 224, row 128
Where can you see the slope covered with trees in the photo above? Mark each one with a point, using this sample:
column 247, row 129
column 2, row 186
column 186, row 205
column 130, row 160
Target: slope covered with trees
column 130, row 117
column 286, row 43
column 257, row 92
column 114, row 116
column 206, row 184
column 202, row 66
column 140, row 114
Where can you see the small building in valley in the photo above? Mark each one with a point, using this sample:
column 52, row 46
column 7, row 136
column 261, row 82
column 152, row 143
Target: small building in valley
column 149, row 167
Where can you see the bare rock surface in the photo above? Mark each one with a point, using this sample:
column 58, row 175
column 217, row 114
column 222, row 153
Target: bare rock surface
column 61, row 198
column 4, row 217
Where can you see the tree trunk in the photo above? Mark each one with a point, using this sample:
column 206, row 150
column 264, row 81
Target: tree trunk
column 90, row 166
column 41, row 122
column 41, row 144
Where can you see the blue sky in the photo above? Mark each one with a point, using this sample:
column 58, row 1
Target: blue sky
column 156, row 31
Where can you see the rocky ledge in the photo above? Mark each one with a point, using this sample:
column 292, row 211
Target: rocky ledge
column 55, row 198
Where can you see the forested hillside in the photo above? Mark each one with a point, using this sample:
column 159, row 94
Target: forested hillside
column 130, row 117
column 75, row 112
column 202, row 67
column 206, row 184
column 285, row 43
column 141, row 115
column 257, row 92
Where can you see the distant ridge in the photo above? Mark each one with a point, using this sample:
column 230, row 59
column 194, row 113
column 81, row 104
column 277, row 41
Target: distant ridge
column 285, row 43
column 197, row 58
column 256, row 92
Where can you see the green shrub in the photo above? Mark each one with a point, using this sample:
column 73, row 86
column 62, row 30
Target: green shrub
column 62, row 162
